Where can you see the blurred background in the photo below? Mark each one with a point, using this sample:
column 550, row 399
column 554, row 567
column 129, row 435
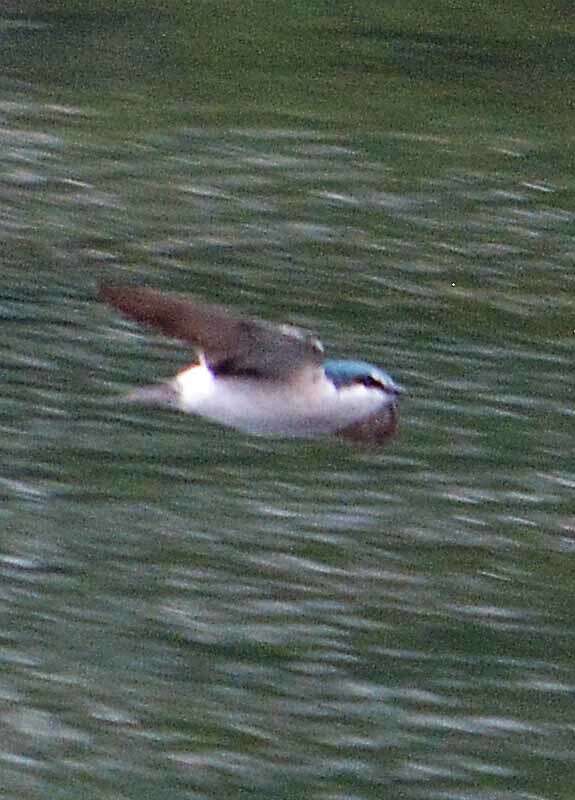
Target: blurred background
column 190, row 613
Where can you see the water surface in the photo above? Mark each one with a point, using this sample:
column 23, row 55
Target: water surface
column 189, row 612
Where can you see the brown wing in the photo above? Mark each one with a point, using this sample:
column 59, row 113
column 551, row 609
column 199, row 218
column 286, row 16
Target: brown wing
column 231, row 345
column 375, row 430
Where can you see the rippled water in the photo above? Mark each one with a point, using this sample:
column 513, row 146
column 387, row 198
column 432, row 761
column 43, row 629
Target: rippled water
column 190, row 612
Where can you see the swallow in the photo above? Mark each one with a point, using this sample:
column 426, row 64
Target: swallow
column 258, row 377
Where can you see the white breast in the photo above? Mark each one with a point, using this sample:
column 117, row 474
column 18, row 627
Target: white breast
column 310, row 407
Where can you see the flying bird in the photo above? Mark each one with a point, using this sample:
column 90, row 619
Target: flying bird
column 258, row 377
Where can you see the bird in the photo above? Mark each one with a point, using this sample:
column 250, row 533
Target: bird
column 259, row 377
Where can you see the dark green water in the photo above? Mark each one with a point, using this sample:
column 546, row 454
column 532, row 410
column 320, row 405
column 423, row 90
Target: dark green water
column 190, row 613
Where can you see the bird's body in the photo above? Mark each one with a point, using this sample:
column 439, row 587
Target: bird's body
column 258, row 377
column 310, row 406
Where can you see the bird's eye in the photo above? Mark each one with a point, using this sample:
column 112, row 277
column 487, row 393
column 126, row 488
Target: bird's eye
column 371, row 382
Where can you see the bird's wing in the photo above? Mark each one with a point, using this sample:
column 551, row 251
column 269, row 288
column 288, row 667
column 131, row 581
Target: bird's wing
column 231, row 345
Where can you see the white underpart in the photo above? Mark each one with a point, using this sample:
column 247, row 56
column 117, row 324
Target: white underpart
column 309, row 407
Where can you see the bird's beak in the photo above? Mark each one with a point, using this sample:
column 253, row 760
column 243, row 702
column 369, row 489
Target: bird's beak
column 396, row 389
